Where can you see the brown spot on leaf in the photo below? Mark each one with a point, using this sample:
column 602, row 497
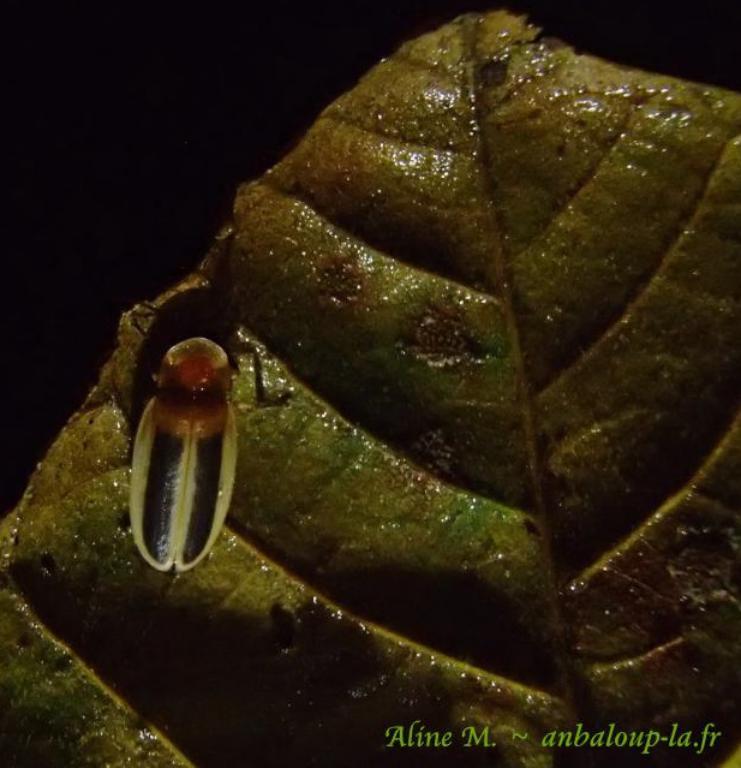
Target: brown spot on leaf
column 441, row 339
column 340, row 280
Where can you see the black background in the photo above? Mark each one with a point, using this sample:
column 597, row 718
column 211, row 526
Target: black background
column 129, row 130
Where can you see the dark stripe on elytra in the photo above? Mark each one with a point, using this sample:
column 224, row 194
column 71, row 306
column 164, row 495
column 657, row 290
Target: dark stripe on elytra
column 208, row 471
column 159, row 500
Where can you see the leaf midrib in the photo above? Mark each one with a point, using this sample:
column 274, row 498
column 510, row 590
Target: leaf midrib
column 470, row 30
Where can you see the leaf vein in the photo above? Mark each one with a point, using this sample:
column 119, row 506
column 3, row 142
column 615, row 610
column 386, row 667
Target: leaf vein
column 648, row 655
column 342, row 119
column 305, row 200
column 470, row 31
column 589, row 177
column 664, row 509
column 94, row 677
column 640, row 292
column 395, row 448
column 245, row 540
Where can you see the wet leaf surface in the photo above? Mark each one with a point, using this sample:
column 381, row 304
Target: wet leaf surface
column 484, row 321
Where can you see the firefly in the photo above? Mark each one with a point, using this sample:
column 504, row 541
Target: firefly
column 185, row 450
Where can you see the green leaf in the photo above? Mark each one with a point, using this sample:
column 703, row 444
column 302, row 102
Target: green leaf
column 485, row 321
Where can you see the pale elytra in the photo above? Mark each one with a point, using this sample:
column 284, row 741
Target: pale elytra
column 182, row 469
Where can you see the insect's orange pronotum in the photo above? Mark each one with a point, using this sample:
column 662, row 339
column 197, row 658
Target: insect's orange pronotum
column 182, row 469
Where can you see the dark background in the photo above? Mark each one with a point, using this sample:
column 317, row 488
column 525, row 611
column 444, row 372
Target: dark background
column 129, row 130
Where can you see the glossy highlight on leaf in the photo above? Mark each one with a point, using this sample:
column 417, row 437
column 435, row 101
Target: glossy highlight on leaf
column 484, row 320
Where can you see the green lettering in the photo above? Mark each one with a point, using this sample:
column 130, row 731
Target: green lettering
column 479, row 739
column 436, row 739
column 564, row 739
column 636, row 738
column 549, row 740
column 396, row 737
column 672, row 735
column 581, row 737
column 685, row 740
column 598, row 739
column 610, row 731
column 652, row 740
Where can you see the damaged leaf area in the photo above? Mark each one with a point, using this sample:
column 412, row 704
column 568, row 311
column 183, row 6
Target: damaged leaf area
column 484, row 321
